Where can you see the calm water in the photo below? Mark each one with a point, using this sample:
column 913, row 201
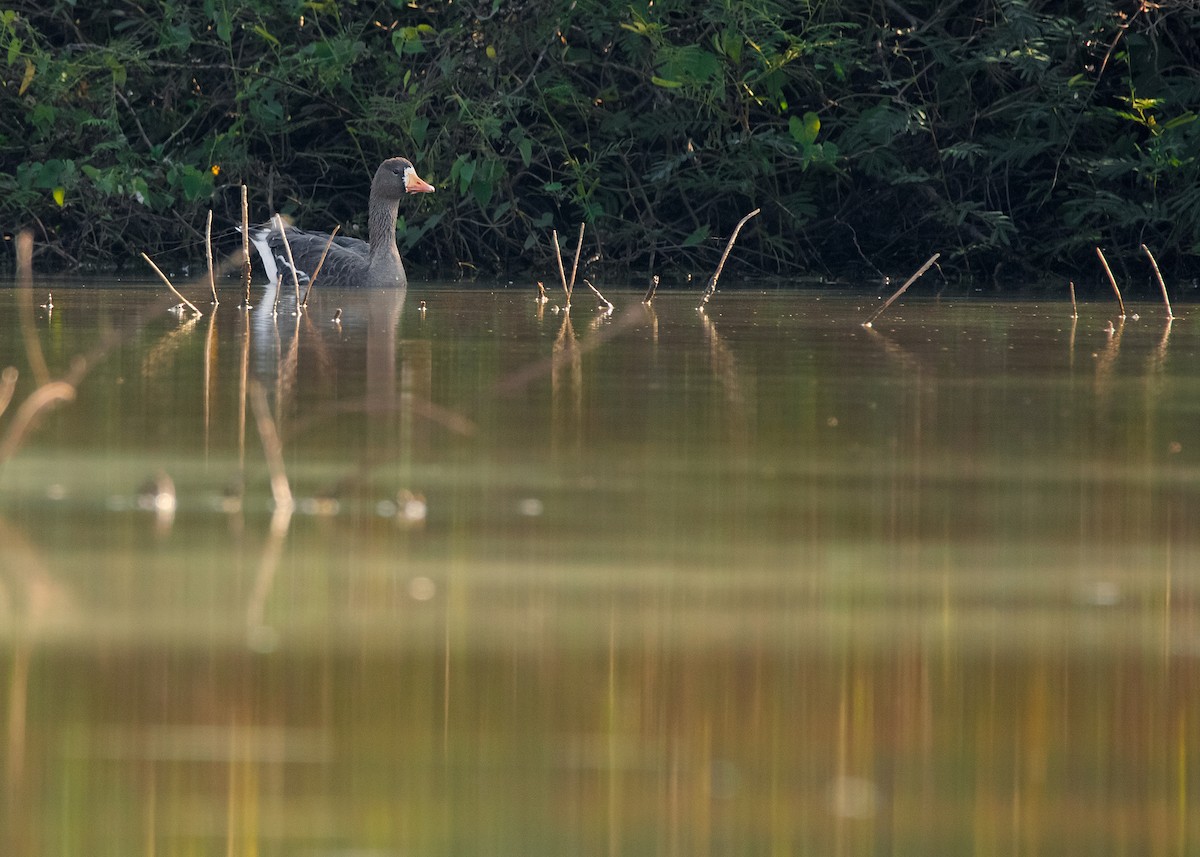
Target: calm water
column 757, row 581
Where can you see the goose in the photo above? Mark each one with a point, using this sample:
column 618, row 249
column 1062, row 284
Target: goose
column 374, row 263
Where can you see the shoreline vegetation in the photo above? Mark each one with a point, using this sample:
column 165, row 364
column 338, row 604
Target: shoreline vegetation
column 1012, row 141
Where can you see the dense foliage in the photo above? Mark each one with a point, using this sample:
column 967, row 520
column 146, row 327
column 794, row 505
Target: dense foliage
column 1012, row 135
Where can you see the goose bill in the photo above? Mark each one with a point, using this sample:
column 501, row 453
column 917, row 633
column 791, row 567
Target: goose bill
column 413, row 183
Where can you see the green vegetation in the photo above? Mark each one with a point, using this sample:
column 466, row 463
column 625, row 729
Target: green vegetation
column 1009, row 137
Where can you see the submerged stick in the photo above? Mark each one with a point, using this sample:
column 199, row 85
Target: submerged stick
column 313, row 279
column 1074, row 306
column 1112, row 281
column 650, row 291
column 246, row 244
column 212, row 280
column 928, row 262
column 596, row 292
column 287, row 246
column 575, row 264
column 272, row 447
column 163, row 276
column 1158, row 276
column 561, row 273
column 711, row 288
column 541, row 298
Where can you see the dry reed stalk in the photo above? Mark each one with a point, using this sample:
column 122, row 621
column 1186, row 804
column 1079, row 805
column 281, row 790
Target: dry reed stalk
column 541, row 298
column 287, row 246
column 650, row 291
column 163, row 277
column 575, row 264
column 562, row 274
column 320, row 262
column 246, row 244
column 212, row 280
column 596, row 292
column 1158, row 276
column 272, row 447
column 1112, row 281
column 928, row 263
column 711, row 288
column 1074, row 306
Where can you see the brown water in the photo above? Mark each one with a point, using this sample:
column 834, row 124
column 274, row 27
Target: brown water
column 751, row 581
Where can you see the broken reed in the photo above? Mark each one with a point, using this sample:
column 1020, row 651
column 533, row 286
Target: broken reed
column 212, row 280
column 928, row 262
column 1112, row 281
column 320, row 263
column 163, row 277
column 287, row 246
column 711, row 288
column 246, row 246
column 1074, row 306
column 562, row 274
column 650, row 291
column 1159, row 277
column 567, row 284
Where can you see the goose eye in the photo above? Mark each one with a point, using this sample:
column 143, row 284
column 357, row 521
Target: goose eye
column 395, row 172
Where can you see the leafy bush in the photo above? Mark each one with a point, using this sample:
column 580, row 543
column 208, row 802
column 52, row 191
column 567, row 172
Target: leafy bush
column 1011, row 138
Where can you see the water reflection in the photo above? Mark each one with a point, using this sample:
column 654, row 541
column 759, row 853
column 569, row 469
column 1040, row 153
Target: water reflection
column 486, row 578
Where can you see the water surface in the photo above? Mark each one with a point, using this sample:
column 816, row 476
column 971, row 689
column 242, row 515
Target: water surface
column 753, row 580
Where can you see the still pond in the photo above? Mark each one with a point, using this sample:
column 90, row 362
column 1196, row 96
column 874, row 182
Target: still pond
column 755, row 580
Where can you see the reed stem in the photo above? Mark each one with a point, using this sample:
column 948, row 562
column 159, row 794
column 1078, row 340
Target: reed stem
column 212, row 280
column 575, row 264
column 711, row 288
column 1112, row 281
column 320, row 262
column 928, row 262
column 163, row 277
column 1158, row 276
column 562, row 274
column 246, row 244
column 651, row 291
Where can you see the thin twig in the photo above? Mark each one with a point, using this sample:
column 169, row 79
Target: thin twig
column 313, row 279
column 596, row 292
column 928, row 262
column 212, row 280
column 650, row 291
column 287, row 246
column 246, row 244
column 1074, row 306
column 163, row 277
column 541, row 298
column 1158, row 276
column 272, row 447
column 711, row 288
column 1112, row 281
column 562, row 274
column 575, row 264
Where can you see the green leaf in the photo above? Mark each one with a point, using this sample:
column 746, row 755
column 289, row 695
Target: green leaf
column 666, row 84
column 698, row 236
